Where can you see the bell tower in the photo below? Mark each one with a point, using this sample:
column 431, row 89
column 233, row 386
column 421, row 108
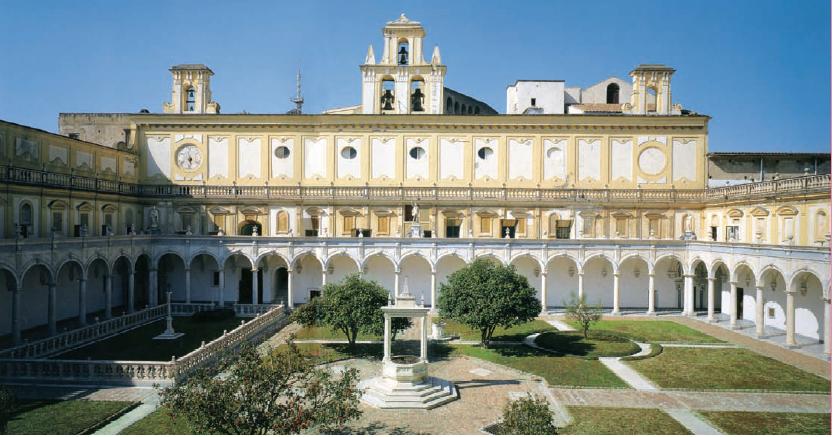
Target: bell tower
column 651, row 91
column 402, row 82
column 191, row 91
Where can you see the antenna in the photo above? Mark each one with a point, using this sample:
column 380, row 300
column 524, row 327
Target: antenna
column 298, row 100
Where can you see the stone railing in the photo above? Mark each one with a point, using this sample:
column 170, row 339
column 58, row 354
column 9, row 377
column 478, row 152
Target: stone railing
column 143, row 373
column 86, row 334
column 187, row 309
column 250, row 310
column 804, row 184
column 252, row 331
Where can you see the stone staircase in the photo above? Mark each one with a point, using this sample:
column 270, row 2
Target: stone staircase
column 430, row 393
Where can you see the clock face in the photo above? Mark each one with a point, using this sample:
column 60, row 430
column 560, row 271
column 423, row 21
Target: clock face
column 188, row 157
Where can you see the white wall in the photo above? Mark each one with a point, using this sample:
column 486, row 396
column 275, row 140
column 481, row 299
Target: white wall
column 548, row 95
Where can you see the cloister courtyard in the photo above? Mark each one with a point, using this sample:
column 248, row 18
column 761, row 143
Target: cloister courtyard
column 633, row 375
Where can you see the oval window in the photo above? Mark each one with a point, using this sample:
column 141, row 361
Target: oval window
column 485, row 152
column 282, row 152
column 417, row 152
column 349, row 152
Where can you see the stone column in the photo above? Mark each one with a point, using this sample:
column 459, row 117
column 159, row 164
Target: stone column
column 733, row 305
column 221, row 300
column 580, row 285
column 395, row 285
column 53, row 322
column 323, row 279
column 710, row 298
column 386, row 357
column 543, row 292
column 187, row 285
column 153, row 287
column 615, row 311
column 688, row 295
column 290, row 299
column 15, row 314
column 826, row 332
column 791, row 318
column 759, row 310
column 131, row 292
column 433, row 291
column 255, row 287
column 423, row 338
column 651, row 304
column 108, row 297
column 82, row 301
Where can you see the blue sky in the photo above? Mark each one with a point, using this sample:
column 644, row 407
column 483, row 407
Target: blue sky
column 760, row 68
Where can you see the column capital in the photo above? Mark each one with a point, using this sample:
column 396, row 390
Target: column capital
column 710, row 278
column 688, row 275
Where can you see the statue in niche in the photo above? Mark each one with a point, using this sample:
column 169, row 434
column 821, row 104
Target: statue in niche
column 154, row 217
column 387, row 101
column 417, row 98
column 688, row 226
column 415, row 213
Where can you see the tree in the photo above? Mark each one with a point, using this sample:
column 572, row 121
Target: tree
column 484, row 295
column 310, row 313
column 584, row 314
column 281, row 392
column 529, row 415
column 7, row 406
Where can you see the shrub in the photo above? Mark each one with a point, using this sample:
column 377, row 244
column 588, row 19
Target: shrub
column 584, row 314
column 529, row 415
column 7, row 406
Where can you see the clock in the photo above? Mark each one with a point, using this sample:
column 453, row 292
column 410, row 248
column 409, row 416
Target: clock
column 188, row 157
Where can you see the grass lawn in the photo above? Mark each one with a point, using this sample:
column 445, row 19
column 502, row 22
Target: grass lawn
column 556, row 370
column 138, row 344
column 324, row 333
column 515, row 333
column 159, row 422
column 591, row 420
column 725, row 369
column 62, row 417
column 652, row 331
column 570, row 343
column 737, row 422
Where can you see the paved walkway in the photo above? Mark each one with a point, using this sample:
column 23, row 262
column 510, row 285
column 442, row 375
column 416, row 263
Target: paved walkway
column 696, row 401
column 627, row 374
column 778, row 337
column 559, row 325
column 692, row 422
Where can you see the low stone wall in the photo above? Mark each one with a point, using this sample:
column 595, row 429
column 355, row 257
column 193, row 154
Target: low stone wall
column 143, row 373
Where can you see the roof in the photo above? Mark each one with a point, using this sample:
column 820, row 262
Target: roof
column 599, row 107
column 653, row 67
column 191, row 67
column 53, row 134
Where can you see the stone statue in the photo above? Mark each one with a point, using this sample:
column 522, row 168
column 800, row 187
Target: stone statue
column 154, row 217
column 688, row 226
column 415, row 213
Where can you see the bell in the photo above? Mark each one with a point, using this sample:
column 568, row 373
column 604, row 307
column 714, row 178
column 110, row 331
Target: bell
column 403, row 55
column 416, row 100
column 387, row 101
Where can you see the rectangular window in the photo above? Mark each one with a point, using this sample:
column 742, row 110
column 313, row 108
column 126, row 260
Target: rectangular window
column 508, row 228
column 218, row 222
column 452, row 228
column 85, row 220
column 714, row 233
column 562, row 229
column 315, row 225
column 283, row 222
column 383, row 225
column 621, row 227
column 349, row 225
column 187, row 219
column 57, row 221
column 732, row 233
column 587, row 227
column 485, row 225
column 653, row 228
column 409, row 213
column 520, row 227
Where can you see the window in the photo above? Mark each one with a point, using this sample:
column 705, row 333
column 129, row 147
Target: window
column 402, row 53
column 508, row 228
column 26, row 214
column 822, row 226
column 485, row 225
column 532, row 101
column 417, row 153
column 588, row 226
column 732, row 233
column 788, row 228
column 409, row 213
column 383, row 225
column 562, row 229
column 449, row 105
column 714, row 233
column 314, row 222
column 349, row 152
column 282, row 152
column 187, row 219
column 452, row 227
column 57, row 221
column 74, row 135
column 456, row 107
column 520, row 226
column 613, row 93
column 282, row 221
column 190, row 100
column 485, row 152
column 349, row 225
column 477, row 110
column 128, row 221
column 653, row 228
column 622, row 227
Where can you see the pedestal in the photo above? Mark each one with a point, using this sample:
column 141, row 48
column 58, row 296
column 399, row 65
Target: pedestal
column 405, row 384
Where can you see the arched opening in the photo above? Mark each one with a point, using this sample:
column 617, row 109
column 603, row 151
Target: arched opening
column 8, row 284
column 67, row 295
column 418, row 271
column 205, row 280
column 238, row 274
column 651, row 100
column 775, row 299
column 250, row 227
column 275, row 279
column 97, row 277
column 190, row 99
column 403, row 52
column 809, row 306
column 306, row 278
column 120, row 280
column 562, row 281
column 456, row 107
column 417, row 95
column 447, row 265
column 633, row 283
column 171, row 278
column 700, row 286
column 745, row 304
column 381, row 269
column 612, row 93
column 598, row 281
column 449, row 105
column 33, row 310
column 387, row 93
column 141, row 283
column 339, row 266
column 722, row 291
column 668, row 284
column 529, row 268
column 477, row 110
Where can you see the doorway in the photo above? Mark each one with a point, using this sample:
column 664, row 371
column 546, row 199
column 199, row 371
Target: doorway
column 739, row 303
column 245, row 286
